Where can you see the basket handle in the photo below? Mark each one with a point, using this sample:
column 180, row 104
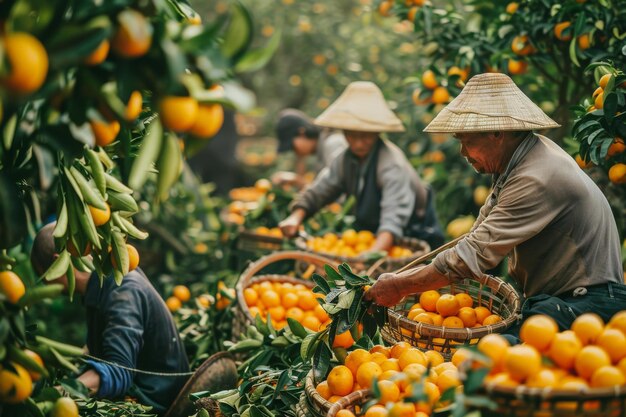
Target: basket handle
column 430, row 254
column 257, row 266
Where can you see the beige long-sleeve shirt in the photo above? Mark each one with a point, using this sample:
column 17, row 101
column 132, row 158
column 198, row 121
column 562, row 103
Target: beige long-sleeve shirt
column 553, row 222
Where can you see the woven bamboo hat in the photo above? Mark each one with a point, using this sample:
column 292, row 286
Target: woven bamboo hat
column 490, row 102
column 360, row 107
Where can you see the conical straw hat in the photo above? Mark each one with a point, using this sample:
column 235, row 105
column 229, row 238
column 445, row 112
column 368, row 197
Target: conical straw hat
column 490, row 102
column 360, row 107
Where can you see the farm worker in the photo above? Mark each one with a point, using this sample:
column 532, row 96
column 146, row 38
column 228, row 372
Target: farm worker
column 304, row 147
column 127, row 325
column 543, row 212
column 391, row 199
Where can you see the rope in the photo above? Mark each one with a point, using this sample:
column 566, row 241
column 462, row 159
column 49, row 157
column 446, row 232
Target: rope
column 139, row 371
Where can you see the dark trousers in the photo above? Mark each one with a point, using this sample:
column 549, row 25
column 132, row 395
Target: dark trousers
column 603, row 299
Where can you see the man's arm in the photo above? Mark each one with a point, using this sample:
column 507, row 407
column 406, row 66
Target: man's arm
column 91, row 380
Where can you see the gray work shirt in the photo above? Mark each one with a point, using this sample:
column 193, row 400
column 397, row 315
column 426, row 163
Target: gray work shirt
column 551, row 219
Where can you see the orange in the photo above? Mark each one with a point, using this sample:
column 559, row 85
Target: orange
column 320, row 313
column 453, row 322
column 182, row 293
column 356, row 358
column 491, row 320
column 335, row 398
column 377, row 410
column 390, row 364
column 11, row 286
column 412, row 356
column 517, row 67
column 270, row 298
column 410, row 15
column 133, row 257
column 558, row 31
column 134, row 106
column 622, row 365
column 607, row 376
column 604, row 80
column 584, row 41
column 613, row 341
column 99, row 216
column 521, row 45
column 344, row 340
column 365, row 236
column 99, row 54
column 448, row 379
column 250, row 296
column 133, row 36
column 582, row 163
column 401, row 409
column 340, row 380
column 28, row 63
column 35, row 376
column 617, row 174
column 350, row 237
column 463, row 74
column 434, row 358
column 493, row 346
column 437, row 319
column 378, row 357
column 389, row 392
column 312, row 323
column 423, row 318
column 366, row 373
column 307, row 300
column 542, row 379
column 381, row 349
column 295, row 313
column 573, row 383
column 173, row 304
column 538, row 331
column 15, row 384
column 618, row 321
column 429, row 80
column 522, row 361
column 461, row 355
column 597, row 91
column 178, row 113
column 588, row 327
column 105, row 132
column 564, row 348
column 209, row 120
column 64, row 407
column 289, row 299
column 384, row 7
column 589, row 359
column 464, row 299
column 501, row 379
column 417, row 312
column 440, row 95
column 467, row 316
column 598, row 103
column 616, row 148
column 344, row 413
column 428, row 300
column 398, row 349
column 277, row 313
column 482, row 313
column 512, row 7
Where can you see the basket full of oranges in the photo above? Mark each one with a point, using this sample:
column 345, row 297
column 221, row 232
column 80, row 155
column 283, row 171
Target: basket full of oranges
column 353, row 248
column 281, row 296
column 458, row 314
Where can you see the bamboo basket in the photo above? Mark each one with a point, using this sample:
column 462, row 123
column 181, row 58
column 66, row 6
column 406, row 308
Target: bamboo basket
column 542, row 402
column 251, row 241
column 316, row 405
column 305, row 265
column 386, row 264
column 491, row 292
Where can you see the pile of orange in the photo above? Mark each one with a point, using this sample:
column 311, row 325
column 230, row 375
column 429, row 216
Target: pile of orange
column 589, row 355
column 246, row 199
column 283, row 300
column 447, row 310
column 350, row 244
column 266, row 231
column 180, row 295
column 394, row 369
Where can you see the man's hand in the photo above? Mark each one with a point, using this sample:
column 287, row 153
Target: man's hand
column 291, row 224
column 386, row 291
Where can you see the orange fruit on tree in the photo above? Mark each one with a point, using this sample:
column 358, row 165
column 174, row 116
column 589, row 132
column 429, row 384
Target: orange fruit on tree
column 344, row 340
column 340, row 380
column 512, row 7
column 494, row 346
column 440, row 95
column 599, row 101
column 613, row 341
column 584, row 41
column 64, row 407
column 173, row 304
column 588, row 327
column 590, row 359
column 182, row 293
column 11, row 286
column 538, row 331
column 616, row 148
column 607, row 377
column 178, row 113
column 209, row 120
column 522, row 361
column 517, row 67
column 464, row 299
column 28, row 63
column 324, row 390
column 410, row 15
column 521, row 45
column 15, row 384
column 35, row 376
column 564, row 348
column 429, row 80
column 617, row 173
column 133, row 257
column 384, row 7
column 428, row 300
column 99, row 54
column 604, row 80
column 105, row 132
column 99, row 216
column 597, row 91
column 558, row 31
column 356, row 358
column 582, row 163
column 462, row 73
column 134, row 106
column 133, row 36
column 366, row 373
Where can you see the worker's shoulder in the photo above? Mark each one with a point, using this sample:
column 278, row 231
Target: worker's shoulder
column 390, row 155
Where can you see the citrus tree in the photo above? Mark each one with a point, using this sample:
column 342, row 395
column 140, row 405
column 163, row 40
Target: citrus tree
column 96, row 98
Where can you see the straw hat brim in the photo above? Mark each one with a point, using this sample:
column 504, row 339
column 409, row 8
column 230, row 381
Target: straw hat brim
column 490, row 102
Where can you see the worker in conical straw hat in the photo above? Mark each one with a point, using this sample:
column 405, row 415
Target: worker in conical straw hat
column 391, row 200
column 544, row 212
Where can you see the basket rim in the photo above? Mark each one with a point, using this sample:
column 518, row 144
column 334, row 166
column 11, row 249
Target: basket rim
column 312, row 394
column 466, row 333
column 301, row 245
column 250, row 234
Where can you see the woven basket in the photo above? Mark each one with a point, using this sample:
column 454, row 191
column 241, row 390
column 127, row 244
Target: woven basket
column 540, row 402
column 491, row 292
column 305, row 265
column 358, row 398
column 317, row 406
column 302, row 408
column 386, row 264
column 251, row 241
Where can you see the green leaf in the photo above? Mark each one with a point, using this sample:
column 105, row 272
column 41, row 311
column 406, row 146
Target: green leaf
column 257, row 58
column 332, row 274
column 572, row 52
column 356, row 305
column 321, row 361
column 321, row 283
column 239, row 32
column 297, row 328
column 58, row 267
column 306, row 349
column 475, row 379
column 345, row 299
column 610, row 106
